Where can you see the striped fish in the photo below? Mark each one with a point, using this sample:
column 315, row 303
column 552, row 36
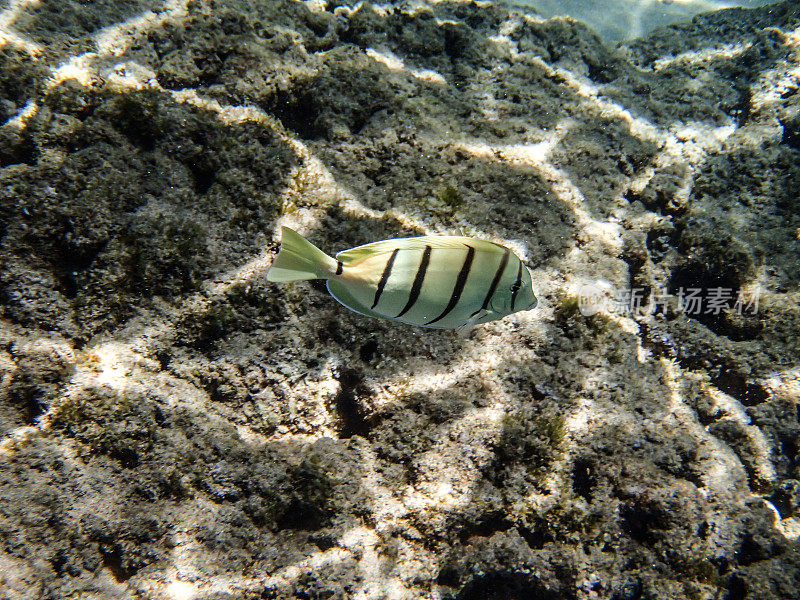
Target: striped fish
column 444, row 282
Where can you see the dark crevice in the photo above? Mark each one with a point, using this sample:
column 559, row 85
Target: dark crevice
column 457, row 42
column 725, row 377
column 535, row 538
column 486, row 526
column 785, row 499
column 299, row 114
column 752, row 551
column 448, row 576
column 368, row 351
column 735, row 384
column 301, row 515
column 203, row 176
column 112, row 559
column 697, row 284
column 207, row 77
column 127, row 457
column 143, row 138
column 707, row 418
column 692, row 476
column 696, row 275
column 5, row 299
column 657, row 243
column 60, row 564
column 641, row 519
column 636, row 260
column 323, row 541
column 791, row 133
column 160, row 418
column 35, row 407
column 67, row 283
column 583, row 479
column 789, row 449
column 352, row 419
column 601, row 73
column 32, row 402
column 360, row 120
column 658, row 341
column 307, row 507
column 164, row 357
column 736, row 588
column 70, row 260
column 21, row 150
column 742, row 109
column 507, row 585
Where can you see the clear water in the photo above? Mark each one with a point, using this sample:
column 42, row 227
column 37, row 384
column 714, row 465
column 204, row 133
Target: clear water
column 620, row 20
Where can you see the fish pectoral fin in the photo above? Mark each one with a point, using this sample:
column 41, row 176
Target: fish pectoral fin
column 344, row 297
column 465, row 329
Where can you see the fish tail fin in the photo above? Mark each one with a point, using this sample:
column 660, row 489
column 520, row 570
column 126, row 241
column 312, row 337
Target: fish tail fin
column 299, row 259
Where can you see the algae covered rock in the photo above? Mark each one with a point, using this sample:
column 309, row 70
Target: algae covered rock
column 176, row 426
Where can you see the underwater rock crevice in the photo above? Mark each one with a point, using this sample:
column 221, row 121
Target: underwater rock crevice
column 583, row 478
column 791, row 133
column 353, row 419
column 501, row 585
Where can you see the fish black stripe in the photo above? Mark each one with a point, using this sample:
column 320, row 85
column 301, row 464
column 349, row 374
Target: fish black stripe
column 460, row 283
column 339, row 267
column 387, row 270
column 516, row 286
column 495, row 282
column 416, row 287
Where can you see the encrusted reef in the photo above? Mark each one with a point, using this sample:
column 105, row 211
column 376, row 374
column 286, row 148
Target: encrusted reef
column 176, row 427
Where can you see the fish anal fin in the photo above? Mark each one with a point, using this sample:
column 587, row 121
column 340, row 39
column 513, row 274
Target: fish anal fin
column 343, row 296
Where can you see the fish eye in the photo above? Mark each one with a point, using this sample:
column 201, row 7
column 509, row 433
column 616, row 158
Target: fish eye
column 515, row 286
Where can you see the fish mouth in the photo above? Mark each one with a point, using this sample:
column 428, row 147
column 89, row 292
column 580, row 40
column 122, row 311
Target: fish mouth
column 533, row 304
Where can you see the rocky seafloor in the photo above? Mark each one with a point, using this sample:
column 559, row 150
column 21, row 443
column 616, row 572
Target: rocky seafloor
column 176, row 427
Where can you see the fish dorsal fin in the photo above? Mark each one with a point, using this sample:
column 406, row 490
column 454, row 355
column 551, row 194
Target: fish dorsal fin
column 453, row 242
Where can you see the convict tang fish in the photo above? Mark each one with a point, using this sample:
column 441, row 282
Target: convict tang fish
column 444, row 282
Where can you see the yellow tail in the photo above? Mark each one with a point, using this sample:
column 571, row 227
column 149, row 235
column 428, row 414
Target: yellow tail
column 299, row 259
